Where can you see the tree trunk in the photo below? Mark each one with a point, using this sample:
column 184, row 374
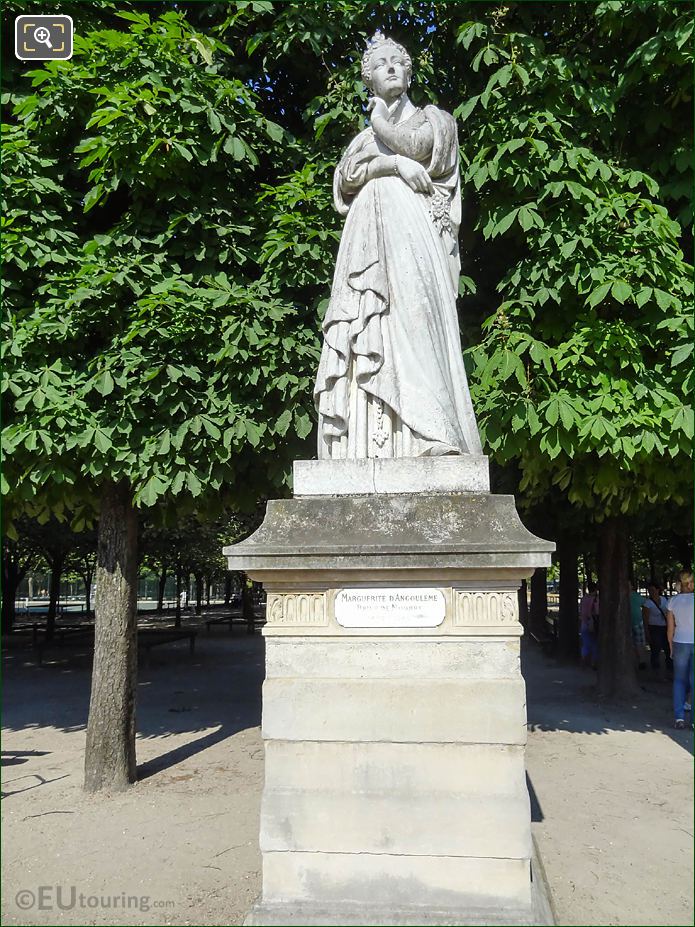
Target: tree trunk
column 539, row 601
column 88, row 592
column 198, row 593
column 523, row 604
column 10, row 584
column 53, row 595
column 208, row 590
column 110, row 753
column 227, row 589
column 568, row 620
column 162, row 587
column 86, row 576
column 177, row 615
column 616, row 670
column 247, row 606
column 650, row 560
column 684, row 546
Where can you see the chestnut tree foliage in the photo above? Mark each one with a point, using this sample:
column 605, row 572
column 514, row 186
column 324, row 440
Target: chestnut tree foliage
column 169, row 241
column 169, row 244
column 146, row 343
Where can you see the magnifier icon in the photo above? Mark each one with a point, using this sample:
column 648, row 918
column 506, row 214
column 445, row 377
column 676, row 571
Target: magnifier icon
column 42, row 35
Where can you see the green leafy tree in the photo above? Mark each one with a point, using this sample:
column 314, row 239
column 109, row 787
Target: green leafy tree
column 81, row 561
column 580, row 328
column 581, row 375
column 149, row 360
column 171, row 242
column 20, row 556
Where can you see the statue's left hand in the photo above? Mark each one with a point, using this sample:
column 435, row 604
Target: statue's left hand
column 377, row 106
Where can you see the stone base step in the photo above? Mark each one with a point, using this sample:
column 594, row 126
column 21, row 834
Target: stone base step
column 289, row 915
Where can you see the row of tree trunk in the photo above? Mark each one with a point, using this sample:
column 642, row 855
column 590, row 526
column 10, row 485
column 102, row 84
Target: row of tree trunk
column 203, row 589
column 616, row 671
column 12, row 575
column 110, row 753
column 14, row 572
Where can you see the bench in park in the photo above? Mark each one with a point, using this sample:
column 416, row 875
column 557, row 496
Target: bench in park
column 230, row 621
column 80, row 634
column 150, row 638
column 546, row 638
column 223, row 619
column 62, row 634
column 236, row 617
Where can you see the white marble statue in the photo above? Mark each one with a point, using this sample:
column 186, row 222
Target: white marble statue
column 391, row 381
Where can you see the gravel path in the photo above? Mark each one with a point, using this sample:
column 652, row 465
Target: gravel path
column 612, row 793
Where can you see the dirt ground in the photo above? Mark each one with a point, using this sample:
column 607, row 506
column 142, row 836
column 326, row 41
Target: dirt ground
column 612, row 799
column 612, row 796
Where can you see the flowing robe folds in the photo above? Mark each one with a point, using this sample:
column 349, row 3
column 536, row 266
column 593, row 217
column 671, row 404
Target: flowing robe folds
column 391, row 381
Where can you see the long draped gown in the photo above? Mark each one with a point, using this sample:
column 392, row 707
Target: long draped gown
column 391, row 380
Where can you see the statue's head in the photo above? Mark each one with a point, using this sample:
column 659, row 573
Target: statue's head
column 386, row 65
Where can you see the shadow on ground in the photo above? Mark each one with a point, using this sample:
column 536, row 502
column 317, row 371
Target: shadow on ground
column 562, row 697
column 215, row 692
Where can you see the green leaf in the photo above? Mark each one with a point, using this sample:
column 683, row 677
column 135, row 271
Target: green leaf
column 151, row 491
column 464, row 111
column 214, row 121
column 552, row 411
column 567, row 416
column 202, row 47
column 104, row 384
column 302, row 424
column 253, row 433
column 466, row 285
column 621, row 291
column 93, row 196
column 598, row 295
column 284, row 422
column 643, row 295
column 234, row 147
column 211, row 429
column 503, row 225
column 193, row 483
column 274, row 130
column 183, row 151
column 102, row 441
column 681, row 354
column 663, row 299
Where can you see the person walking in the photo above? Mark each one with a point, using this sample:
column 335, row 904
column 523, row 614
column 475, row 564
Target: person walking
column 638, row 639
column 679, row 631
column 654, row 618
column 588, row 614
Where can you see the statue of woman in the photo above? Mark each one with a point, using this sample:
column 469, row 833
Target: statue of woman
column 391, row 381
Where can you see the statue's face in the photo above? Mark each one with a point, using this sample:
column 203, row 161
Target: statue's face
column 389, row 73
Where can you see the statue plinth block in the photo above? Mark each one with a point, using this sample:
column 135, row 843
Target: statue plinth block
column 394, row 714
column 393, row 475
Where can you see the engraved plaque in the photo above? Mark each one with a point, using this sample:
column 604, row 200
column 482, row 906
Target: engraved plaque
column 390, row 608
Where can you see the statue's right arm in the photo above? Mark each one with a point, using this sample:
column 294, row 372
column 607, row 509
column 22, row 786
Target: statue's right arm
column 363, row 162
column 379, row 166
column 412, row 172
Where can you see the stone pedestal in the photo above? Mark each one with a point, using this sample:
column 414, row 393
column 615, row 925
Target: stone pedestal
column 394, row 714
